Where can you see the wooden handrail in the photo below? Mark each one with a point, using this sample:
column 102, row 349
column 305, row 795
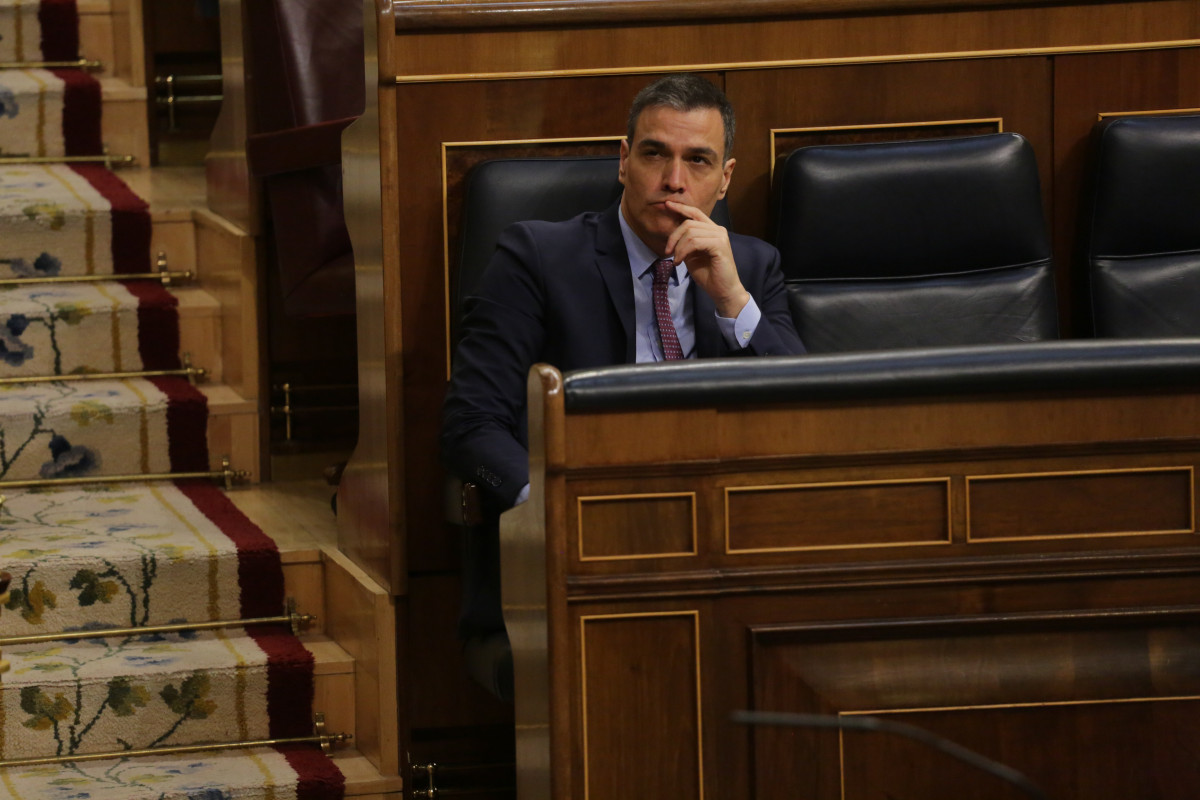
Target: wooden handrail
column 415, row 15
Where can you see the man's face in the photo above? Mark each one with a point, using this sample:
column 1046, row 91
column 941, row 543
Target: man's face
column 674, row 155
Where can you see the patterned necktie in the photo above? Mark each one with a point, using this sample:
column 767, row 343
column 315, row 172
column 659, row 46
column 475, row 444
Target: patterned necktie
column 663, row 269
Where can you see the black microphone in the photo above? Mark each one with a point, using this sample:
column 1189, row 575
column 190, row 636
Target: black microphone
column 939, row 743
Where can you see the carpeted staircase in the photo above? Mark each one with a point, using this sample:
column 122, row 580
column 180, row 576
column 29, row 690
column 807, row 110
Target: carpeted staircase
column 94, row 556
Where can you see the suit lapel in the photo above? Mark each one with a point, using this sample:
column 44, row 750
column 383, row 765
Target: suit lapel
column 613, row 263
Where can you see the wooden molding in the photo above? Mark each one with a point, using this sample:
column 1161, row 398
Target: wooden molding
column 464, row 14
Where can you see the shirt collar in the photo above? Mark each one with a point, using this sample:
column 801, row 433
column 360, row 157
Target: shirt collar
column 641, row 257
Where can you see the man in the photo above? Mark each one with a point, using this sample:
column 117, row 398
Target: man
column 582, row 293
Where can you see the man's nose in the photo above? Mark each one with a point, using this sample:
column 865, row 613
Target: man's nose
column 674, row 175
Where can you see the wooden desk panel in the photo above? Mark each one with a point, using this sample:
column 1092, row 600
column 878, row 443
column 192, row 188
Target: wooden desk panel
column 1023, row 645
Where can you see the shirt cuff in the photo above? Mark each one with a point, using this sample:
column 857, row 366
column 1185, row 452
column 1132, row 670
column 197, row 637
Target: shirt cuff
column 522, row 496
column 738, row 332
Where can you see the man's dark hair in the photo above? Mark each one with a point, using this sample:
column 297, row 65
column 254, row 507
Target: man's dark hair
column 683, row 92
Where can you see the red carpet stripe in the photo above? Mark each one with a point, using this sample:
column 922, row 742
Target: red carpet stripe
column 187, row 424
column 59, row 20
column 320, row 779
column 81, row 112
column 289, row 681
column 260, row 573
column 130, row 219
column 158, row 324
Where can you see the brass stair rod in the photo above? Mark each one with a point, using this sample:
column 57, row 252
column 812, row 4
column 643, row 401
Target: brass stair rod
column 186, row 275
column 79, row 63
column 191, row 373
column 226, row 474
column 324, row 740
column 296, row 621
column 108, row 161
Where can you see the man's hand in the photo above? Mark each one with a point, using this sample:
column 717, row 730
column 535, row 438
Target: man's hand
column 704, row 245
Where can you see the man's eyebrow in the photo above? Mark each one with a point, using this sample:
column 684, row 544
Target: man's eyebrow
column 693, row 151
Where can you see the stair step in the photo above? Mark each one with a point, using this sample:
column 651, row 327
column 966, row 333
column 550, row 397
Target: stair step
column 123, row 123
column 363, row 780
column 106, row 695
column 258, row 774
column 70, row 328
column 100, row 427
column 232, row 429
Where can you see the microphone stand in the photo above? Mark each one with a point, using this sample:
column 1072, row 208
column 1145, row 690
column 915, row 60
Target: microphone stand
column 939, row 743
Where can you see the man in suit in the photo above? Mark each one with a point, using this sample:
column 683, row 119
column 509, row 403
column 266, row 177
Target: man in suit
column 583, row 293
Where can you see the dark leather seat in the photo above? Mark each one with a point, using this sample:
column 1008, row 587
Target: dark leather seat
column 916, row 244
column 497, row 194
column 1140, row 231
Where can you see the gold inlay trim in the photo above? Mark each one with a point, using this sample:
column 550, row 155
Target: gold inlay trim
column 446, row 147
column 881, row 712
column 583, row 703
column 732, row 66
column 1156, row 112
column 1183, row 468
column 838, row 485
column 775, row 132
column 609, row 498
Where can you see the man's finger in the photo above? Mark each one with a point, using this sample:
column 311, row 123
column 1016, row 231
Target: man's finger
column 691, row 212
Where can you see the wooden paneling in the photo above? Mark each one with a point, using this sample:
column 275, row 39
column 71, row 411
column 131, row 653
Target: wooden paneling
column 637, row 525
column 817, row 516
column 750, row 41
column 1041, row 70
column 1121, row 695
column 1024, row 649
column 658, row 657
column 1086, row 504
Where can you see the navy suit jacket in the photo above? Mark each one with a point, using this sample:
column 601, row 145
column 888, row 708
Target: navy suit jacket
column 562, row 293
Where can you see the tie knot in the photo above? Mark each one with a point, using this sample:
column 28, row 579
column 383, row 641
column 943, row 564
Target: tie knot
column 664, row 268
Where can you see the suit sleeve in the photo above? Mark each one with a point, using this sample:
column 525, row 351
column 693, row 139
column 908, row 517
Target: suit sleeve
column 484, row 438
column 776, row 334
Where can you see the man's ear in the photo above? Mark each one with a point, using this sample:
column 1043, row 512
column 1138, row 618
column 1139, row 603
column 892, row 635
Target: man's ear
column 624, row 160
column 727, row 176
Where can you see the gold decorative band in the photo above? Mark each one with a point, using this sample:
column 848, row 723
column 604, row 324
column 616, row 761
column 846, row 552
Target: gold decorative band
column 732, row 66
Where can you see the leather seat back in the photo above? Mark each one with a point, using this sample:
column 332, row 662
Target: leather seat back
column 916, row 244
column 1140, row 233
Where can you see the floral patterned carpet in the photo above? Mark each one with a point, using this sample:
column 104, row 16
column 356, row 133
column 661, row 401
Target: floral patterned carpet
column 96, row 556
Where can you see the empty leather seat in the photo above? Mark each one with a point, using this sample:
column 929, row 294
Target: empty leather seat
column 1140, row 231
column 915, row 244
